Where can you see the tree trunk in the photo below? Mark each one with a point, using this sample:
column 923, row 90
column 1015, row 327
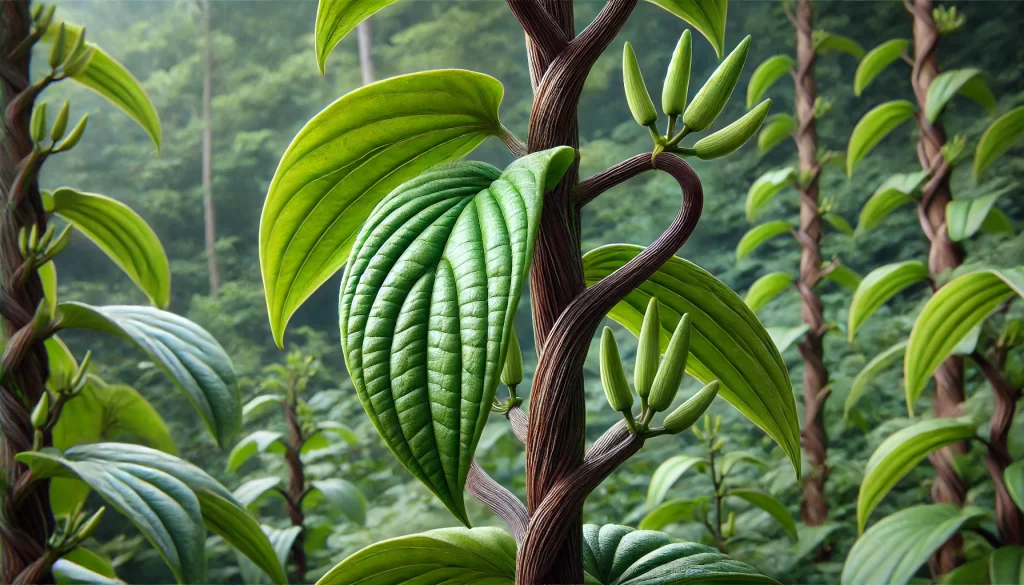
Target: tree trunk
column 365, row 34
column 209, row 213
column 296, row 489
column 813, row 507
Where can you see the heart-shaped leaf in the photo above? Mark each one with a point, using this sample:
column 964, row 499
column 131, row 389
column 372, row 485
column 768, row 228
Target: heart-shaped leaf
column 667, row 474
column 102, row 412
column 767, row 288
column 878, row 363
column 775, row 130
column 186, row 352
column 880, row 285
column 876, row 60
column 671, row 512
column 727, row 342
column 897, row 190
column 769, row 504
column 967, row 82
column 767, row 73
column 347, row 158
column 336, row 18
column 341, row 494
column 873, row 127
column 964, row 217
column 998, row 138
column 766, row 187
column 427, row 303
column 707, row 16
column 760, row 234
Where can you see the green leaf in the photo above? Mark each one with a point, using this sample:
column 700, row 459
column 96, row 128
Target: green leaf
column 812, row 537
column 319, row 438
column 125, row 237
column 900, row 453
column 342, row 495
column 998, row 138
column 66, row 571
column 897, row 190
column 767, row 73
column 115, row 412
column 336, row 18
column 784, row 337
column 727, row 343
column 348, row 158
column 259, row 405
column 826, row 41
column 63, row 365
column 250, row 493
column 876, row 60
column 667, row 474
column 843, row 276
column 427, row 303
column 477, row 556
column 969, row 82
column 189, row 355
column 964, row 217
column 969, row 573
column 837, row 221
column 767, row 288
column 761, row 234
column 949, row 316
column 893, row 550
column 776, row 129
column 48, row 277
column 619, row 555
column 671, row 512
column 281, row 540
column 1006, row 565
column 766, row 187
column 255, row 442
column 1014, row 478
column 873, row 127
column 707, row 16
column 769, row 504
column 90, row 560
column 996, row 222
column 869, row 371
column 229, row 520
column 880, row 285
column 733, row 458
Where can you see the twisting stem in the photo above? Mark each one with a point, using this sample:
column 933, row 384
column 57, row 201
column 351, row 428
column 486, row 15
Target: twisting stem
column 498, row 499
column 296, row 481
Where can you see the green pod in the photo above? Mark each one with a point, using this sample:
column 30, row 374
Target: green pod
column 648, row 350
column 78, row 61
column 61, row 123
column 613, row 378
column 37, row 125
column 57, row 49
column 512, row 373
column 730, row 525
column 733, row 136
column 677, row 80
column 683, row 417
column 75, row 135
column 640, row 104
column 41, row 413
column 711, row 99
column 670, row 374
column 89, row 526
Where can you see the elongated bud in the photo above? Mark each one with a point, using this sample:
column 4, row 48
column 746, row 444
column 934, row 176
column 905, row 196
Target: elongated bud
column 79, row 60
column 23, row 242
column 37, row 11
column 61, row 123
column 613, row 378
column 512, row 373
column 640, row 104
column 670, row 374
column 689, row 412
column 711, row 99
column 730, row 525
column 75, row 135
column 58, row 244
column 44, row 22
column 696, row 432
column 677, row 80
column 37, row 125
column 41, row 413
column 33, row 237
column 78, row 381
column 75, row 48
column 733, row 136
column 57, row 48
column 89, row 526
column 718, row 423
column 648, row 350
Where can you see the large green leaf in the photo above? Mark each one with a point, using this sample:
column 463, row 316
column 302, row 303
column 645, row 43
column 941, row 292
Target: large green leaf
column 776, row 129
column 863, row 378
column 968, row 82
column 124, row 236
column 253, row 443
column 897, row 190
column 760, row 234
column 347, row 158
column 766, row 187
column 893, row 550
column 970, row 573
column 767, row 73
column 1006, row 565
column 964, row 217
column 477, row 556
column 282, row 541
column 880, row 285
column 876, row 60
column 767, row 288
column 769, row 504
column 341, row 494
column 114, row 412
column 707, row 16
column 336, row 18
column 670, row 512
column 825, row 42
column 998, row 138
column 900, row 453
column 727, row 343
column 873, row 127
column 1014, row 478
column 67, row 571
column 186, row 352
column 620, row 555
column 949, row 316
column 427, row 303
column 667, row 474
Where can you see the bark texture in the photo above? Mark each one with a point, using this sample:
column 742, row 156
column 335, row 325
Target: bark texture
column 209, row 212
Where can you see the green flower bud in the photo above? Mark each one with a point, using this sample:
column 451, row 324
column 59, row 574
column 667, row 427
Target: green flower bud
column 730, row 525
column 733, row 136
column 689, row 412
column 78, row 61
column 57, row 48
column 41, row 413
column 670, row 374
column 677, row 80
column 648, row 350
column 640, row 104
column 512, row 373
column 75, row 135
column 89, row 526
column 47, row 17
column 61, row 123
column 613, row 378
column 37, row 125
column 711, row 99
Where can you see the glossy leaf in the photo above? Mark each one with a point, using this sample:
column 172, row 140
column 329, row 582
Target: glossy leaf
column 336, row 18
column 968, row 82
column 767, row 73
column 255, row 442
column 477, row 556
column 760, row 234
column 1006, row 565
column 769, row 504
column 1014, row 478
column 189, row 355
column 427, row 302
column 251, row 492
column 347, row 158
column 260, row 405
column 949, row 316
column 124, row 236
column 767, row 288
column 876, row 60
column 667, row 474
column 873, row 127
column 896, row 191
column 893, row 550
column 998, row 138
column 775, row 131
column 671, row 512
column 825, row 42
column 837, row 221
column 785, row 337
column 766, row 187
column 341, row 494
column 94, row 562
column 727, row 342
column 707, row 16
column 114, row 412
column 880, row 285
column 900, row 453
column 66, row 571
column 964, row 217
column 863, row 379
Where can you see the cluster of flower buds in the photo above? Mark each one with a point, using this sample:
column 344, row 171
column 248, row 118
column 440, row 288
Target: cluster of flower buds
column 656, row 380
column 706, row 106
column 60, row 124
column 948, row 19
column 38, row 250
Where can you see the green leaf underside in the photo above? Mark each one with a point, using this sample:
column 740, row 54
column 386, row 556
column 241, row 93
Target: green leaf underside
column 862, row 381
column 477, row 556
column 347, row 158
column 187, row 353
column 66, row 571
column 620, row 555
column 341, row 494
column 760, row 234
column 876, row 60
column 766, row 187
column 949, row 316
column 896, row 191
column 123, row 235
column 667, row 474
column 964, row 217
column 873, row 127
column 671, row 512
column 785, row 337
column 767, row 73
column 707, row 16
column 728, row 342
column 336, row 18
column 427, row 303
column 767, row 288
column 900, row 453
column 967, row 82
column 115, row 412
column 892, row 550
column 775, row 130
column 770, row 505
column 253, row 443
column 880, row 285
column 998, row 138
column 1014, row 478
